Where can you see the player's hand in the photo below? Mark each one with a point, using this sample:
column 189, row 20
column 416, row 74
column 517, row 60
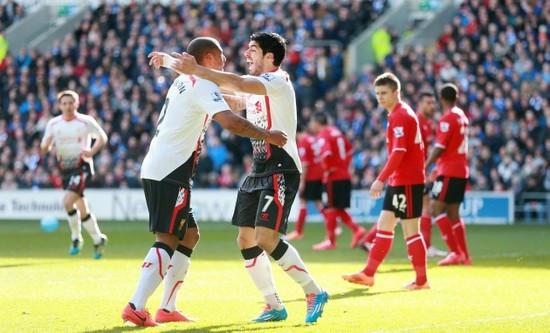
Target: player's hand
column 87, row 153
column 156, row 59
column 184, row 63
column 376, row 189
column 277, row 138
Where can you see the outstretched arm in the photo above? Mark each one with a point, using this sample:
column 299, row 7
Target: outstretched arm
column 243, row 127
column 186, row 64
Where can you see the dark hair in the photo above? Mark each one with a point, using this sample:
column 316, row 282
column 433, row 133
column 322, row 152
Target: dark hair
column 271, row 42
column 320, row 117
column 201, row 46
column 388, row 79
column 425, row 93
column 449, row 92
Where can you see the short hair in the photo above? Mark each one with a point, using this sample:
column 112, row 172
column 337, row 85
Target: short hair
column 320, row 117
column 388, row 79
column 201, row 46
column 271, row 42
column 64, row 93
column 449, row 92
column 425, row 93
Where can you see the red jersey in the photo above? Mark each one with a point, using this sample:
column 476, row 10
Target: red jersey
column 404, row 134
column 335, row 153
column 310, row 156
column 427, row 131
column 452, row 136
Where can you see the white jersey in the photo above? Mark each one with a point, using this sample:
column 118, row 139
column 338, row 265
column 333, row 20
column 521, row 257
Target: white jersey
column 174, row 151
column 274, row 111
column 71, row 137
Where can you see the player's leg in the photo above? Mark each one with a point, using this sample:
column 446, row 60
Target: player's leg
column 73, row 218
column 175, row 275
column 168, row 207
column 331, row 216
column 298, row 232
column 426, row 220
column 438, row 208
column 271, row 220
column 256, row 261
column 89, row 222
column 342, row 201
column 459, row 231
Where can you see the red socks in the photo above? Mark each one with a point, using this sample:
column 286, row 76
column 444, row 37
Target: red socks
column 445, row 226
column 331, row 224
column 459, row 231
column 379, row 251
column 301, row 219
column 347, row 219
column 369, row 238
column 426, row 228
column 417, row 253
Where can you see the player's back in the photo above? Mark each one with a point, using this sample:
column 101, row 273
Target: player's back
column 309, row 151
column 427, row 131
column 336, row 151
column 452, row 136
column 190, row 104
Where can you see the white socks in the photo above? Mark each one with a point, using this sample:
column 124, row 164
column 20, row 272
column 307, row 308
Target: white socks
column 153, row 270
column 92, row 228
column 259, row 269
column 293, row 265
column 175, row 275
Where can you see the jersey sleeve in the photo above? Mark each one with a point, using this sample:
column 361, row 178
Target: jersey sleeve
column 47, row 132
column 93, row 126
column 399, row 130
column 274, row 84
column 443, row 132
column 209, row 98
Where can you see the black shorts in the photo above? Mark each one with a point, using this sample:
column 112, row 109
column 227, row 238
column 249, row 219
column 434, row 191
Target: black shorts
column 338, row 194
column 313, row 190
column 405, row 201
column 449, row 189
column 75, row 180
column 266, row 201
column 169, row 207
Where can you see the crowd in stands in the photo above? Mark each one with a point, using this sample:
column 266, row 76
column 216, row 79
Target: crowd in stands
column 497, row 52
column 10, row 12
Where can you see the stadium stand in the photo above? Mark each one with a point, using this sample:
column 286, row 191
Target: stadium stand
column 497, row 52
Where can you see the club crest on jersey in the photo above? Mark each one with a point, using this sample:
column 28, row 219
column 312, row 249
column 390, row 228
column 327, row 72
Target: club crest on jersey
column 216, row 96
column 268, row 76
column 398, row 132
column 444, row 126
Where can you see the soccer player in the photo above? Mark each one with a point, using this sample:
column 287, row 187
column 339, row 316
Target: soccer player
column 311, row 182
column 167, row 176
column 450, row 152
column 72, row 133
column 336, row 152
column 425, row 112
column 265, row 198
column 403, row 198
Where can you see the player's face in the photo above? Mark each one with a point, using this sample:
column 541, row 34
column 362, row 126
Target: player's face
column 427, row 106
column 254, row 58
column 68, row 105
column 386, row 97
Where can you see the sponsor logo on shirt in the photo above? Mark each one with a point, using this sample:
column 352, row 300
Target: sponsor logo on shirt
column 398, row 132
column 268, row 76
column 216, row 96
column 443, row 126
column 180, row 86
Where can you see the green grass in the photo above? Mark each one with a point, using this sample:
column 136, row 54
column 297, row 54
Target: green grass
column 42, row 289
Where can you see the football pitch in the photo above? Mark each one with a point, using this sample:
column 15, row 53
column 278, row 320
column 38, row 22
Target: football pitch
column 43, row 289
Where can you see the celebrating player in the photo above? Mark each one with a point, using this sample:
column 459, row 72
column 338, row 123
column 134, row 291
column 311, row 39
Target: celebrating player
column 72, row 134
column 266, row 196
column 167, row 175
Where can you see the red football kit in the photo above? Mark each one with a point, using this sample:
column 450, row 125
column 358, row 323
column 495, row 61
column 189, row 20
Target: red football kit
column 309, row 151
column 403, row 134
column 335, row 153
column 427, row 131
column 452, row 136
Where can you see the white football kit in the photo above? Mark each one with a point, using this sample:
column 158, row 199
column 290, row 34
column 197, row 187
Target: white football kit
column 274, row 111
column 174, row 151
column 71, row 137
